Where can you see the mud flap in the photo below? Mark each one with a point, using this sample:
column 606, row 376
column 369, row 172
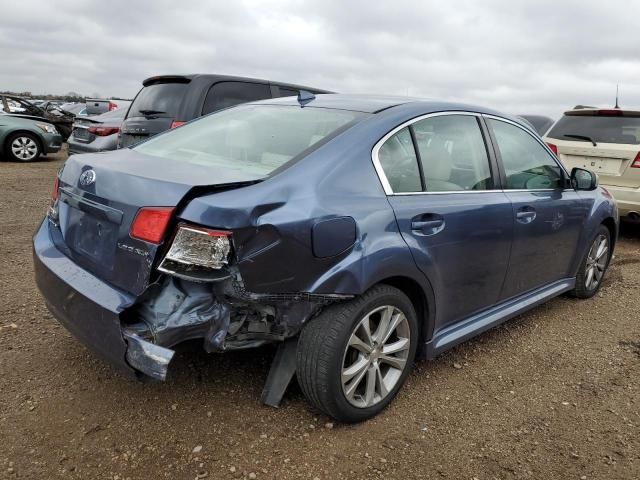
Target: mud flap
column 281, row 372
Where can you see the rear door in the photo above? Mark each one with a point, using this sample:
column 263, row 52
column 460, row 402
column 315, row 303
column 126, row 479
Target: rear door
column 439, row 178
column 228, row 94
column 548, row 216
column 153, row 110
column 616, row 134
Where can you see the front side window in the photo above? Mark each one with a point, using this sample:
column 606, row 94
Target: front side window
column 453, row 154
column 527, row 164
column 256, row 139
column 228, row 94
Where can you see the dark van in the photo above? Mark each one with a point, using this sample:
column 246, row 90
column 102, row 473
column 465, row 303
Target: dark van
column 168, row 101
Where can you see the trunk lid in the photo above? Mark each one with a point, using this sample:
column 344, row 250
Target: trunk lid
column 137, row 129
column 94, row 218
column 611, row 161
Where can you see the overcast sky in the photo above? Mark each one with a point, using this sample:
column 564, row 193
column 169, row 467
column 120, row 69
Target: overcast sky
column 519, row 57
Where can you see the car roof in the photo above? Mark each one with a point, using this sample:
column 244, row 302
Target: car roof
column 378, row 103
column 220, row 77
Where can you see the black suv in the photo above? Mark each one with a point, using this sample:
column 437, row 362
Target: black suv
column 168, row 101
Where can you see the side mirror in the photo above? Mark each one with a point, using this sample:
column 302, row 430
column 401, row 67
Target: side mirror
column 582, row 179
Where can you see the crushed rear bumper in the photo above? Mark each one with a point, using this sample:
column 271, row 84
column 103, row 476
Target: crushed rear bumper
column 90, row 309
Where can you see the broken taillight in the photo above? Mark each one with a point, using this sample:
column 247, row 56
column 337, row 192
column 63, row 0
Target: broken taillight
column 150, row 223
column 197, row 249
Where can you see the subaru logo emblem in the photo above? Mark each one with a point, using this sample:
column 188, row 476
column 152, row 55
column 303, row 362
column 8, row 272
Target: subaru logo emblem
column 87, row 178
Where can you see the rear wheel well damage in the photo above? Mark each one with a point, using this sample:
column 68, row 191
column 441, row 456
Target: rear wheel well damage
column 222, row 313
column 416, row 294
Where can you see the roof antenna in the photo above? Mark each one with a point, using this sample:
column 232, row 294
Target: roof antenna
column 617, row 106
column 305, row 97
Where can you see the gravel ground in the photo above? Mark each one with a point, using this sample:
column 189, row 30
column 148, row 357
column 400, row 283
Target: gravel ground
column 553, row 394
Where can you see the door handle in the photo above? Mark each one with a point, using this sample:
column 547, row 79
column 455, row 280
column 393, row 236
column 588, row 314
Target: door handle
column 526, row 215
column 427, row 224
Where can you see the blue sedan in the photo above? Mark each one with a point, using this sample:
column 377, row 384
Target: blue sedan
column 356, row 232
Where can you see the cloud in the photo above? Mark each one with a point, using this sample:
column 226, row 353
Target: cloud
column 539, row 57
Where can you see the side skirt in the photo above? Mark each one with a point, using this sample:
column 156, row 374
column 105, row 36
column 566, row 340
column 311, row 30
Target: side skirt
column 457, row 333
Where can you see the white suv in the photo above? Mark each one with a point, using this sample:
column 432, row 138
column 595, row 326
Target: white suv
column 607, row 142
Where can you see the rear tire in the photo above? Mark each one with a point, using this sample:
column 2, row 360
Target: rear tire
column 23, row 147
column 352, row 375
column 594, row 265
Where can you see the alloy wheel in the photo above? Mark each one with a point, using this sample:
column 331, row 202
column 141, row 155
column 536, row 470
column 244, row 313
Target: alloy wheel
column 375, row 357
column 24, row 148
column 596, row 262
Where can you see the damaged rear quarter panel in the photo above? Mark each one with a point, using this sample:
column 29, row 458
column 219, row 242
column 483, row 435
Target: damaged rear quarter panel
column 272, row 221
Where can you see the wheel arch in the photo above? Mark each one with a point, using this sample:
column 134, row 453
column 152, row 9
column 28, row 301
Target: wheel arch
column 423, row 303
column 9, row 136
column 610, row 223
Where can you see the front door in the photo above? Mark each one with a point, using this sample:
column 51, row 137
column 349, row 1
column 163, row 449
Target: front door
column 457, row 225
column 548, row 216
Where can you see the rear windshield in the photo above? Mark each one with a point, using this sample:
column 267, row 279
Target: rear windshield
column 256, row 139
column 111, row 115
column 600, row 129
column 161, row 99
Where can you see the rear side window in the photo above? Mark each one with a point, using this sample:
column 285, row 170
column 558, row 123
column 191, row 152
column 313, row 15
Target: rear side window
column 527, row 164
column 398, row 160
column 451, row 156
column 162, row 99
column 228, row 94
column 453, row 153
column 605, row 129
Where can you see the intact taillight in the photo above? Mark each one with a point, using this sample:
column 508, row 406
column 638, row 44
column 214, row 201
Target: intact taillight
column 177, row 123
column 56, row 186
column 112, row 106
column 195, row 250
column 150, row 223
column 553, row 148
column 636, row 161
column 103, row 131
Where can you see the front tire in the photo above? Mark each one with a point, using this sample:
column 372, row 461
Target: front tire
column 355, row 356
column 23, row 147
column 594, row 265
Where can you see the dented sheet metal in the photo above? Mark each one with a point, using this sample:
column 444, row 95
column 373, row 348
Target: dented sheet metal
column 178, row 310
column 223, row 314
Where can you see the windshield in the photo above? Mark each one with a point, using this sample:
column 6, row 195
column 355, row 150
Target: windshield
column 163, row 99
column 256, row 139
column 605, row 129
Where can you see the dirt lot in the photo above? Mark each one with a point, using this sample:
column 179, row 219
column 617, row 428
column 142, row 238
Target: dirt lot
column 553, row 394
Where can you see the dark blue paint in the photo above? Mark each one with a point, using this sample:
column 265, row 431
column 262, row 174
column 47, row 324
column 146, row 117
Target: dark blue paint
column 478, row 258
column 333, row 236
